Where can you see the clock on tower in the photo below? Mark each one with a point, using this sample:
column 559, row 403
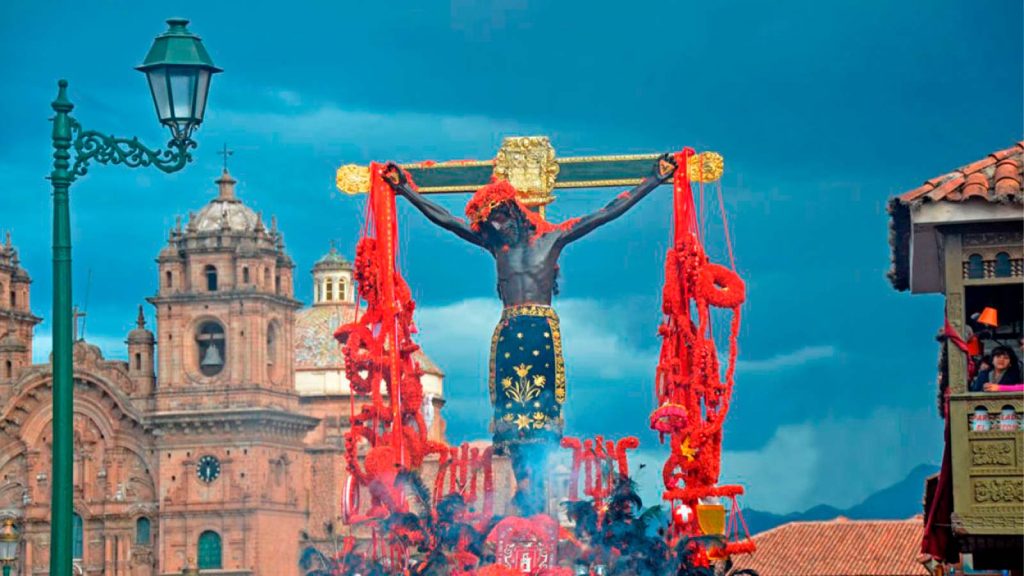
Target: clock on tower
column 208, row 469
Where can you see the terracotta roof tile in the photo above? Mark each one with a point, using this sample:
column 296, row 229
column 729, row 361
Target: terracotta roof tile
column 996, row 178
column 976, row 186
column 977, row 179
column 839, row 547
column 1008, row 176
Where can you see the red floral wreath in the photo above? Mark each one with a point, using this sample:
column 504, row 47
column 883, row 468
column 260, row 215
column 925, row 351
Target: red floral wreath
column 720, row 286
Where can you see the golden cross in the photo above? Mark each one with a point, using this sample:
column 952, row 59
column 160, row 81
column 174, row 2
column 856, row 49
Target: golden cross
column 530, row 165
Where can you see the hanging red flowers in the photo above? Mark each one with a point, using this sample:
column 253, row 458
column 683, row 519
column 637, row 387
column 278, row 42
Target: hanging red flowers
column 378, row 351
column 693, row 396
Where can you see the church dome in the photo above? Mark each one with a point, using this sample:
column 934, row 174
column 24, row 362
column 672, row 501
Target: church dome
column 333, row 260
column 316, row 348
column 225, row 212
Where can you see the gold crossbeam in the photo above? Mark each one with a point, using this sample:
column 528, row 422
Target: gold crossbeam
column 529, row 164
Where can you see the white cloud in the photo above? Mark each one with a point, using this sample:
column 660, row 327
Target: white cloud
column 834, row 461
column 794, row 359
column 822, row 460
column 458, row 337
column 596, row 347
column 288, row 97
column 778, row 478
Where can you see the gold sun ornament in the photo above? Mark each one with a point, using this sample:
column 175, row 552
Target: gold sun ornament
column 705, row 167
column 353, row 179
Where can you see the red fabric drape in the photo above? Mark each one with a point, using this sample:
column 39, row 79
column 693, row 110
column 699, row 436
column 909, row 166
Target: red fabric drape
column 938, row 541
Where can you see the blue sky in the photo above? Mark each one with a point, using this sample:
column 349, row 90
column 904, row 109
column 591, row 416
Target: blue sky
column 823, row 110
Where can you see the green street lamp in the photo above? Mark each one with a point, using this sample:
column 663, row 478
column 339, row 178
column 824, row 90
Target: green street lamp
column 178, row 69
column 9, row 536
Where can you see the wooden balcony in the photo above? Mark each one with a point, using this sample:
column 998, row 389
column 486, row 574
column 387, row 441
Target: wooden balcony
column 988, row 465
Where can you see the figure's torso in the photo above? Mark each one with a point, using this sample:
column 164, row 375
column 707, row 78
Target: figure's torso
column 526, row 271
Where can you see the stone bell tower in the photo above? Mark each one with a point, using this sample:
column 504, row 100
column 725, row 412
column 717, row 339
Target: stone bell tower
column 16, row 319
column 226, row 305
column 227, row 420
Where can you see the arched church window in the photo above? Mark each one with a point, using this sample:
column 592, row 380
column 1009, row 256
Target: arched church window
column 76, row 536
column 209, row 552
column 277, row 284
column 14, row 298
column 329, row 290
column 975, row 266
column 169, row 279
column 210, row 271
column 142, row 531
column 9, row 370
column 342, row 290
column 271, row 343
column 245, row 274
column 1002, row 265
column 210, row 348
column 138, row 361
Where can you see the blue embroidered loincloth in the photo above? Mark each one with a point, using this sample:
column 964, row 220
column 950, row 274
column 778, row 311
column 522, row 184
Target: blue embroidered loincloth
column 527, row 377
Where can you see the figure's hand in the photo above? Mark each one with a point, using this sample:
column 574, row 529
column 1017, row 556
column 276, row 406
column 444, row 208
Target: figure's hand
column 665, row 167
column 990, row 387
column 394, row 175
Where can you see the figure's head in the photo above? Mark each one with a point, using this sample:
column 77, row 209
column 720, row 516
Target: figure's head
column 506, row 224
column 496, row 214
column 1003, row 357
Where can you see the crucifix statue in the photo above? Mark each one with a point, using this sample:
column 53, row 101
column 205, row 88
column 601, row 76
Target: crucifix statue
column 505, row 217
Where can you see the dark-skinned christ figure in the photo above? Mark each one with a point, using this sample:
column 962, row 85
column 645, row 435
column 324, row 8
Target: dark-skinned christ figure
column 527, row 376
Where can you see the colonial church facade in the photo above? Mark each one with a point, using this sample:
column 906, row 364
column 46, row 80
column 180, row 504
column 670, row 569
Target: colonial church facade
column 218, row 443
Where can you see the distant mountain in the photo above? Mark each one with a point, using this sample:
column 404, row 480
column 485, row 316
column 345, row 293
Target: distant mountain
column 897, row 502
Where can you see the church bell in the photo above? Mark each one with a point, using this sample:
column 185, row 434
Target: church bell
column 212, row 357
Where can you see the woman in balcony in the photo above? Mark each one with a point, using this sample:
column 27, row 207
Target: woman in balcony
column 1004, row 374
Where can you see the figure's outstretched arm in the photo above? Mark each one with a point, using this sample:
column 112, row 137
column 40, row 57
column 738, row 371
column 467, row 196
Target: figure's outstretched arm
column 663, row 170
column 395, row 178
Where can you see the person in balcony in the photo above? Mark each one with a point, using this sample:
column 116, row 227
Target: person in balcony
column 1003, row 375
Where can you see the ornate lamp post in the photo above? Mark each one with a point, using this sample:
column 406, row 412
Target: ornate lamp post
column 9, row 536
column 179, row 70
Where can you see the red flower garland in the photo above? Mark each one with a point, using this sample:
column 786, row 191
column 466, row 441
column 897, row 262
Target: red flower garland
column 693, row 396
column 378, row 347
